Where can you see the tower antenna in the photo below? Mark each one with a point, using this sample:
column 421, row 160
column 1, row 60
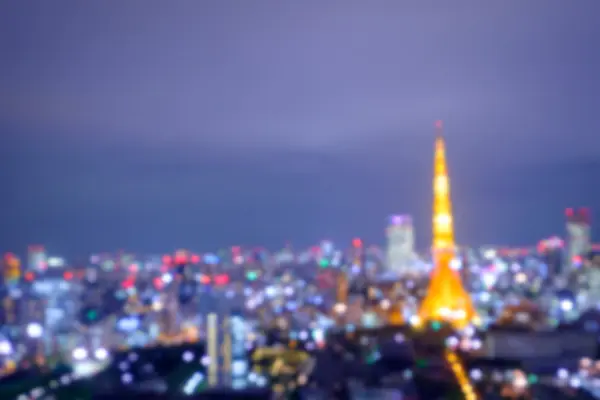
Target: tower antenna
column 439, row 128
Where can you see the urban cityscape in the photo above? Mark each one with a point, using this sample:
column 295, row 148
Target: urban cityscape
column 330, row 200
column 331, row 320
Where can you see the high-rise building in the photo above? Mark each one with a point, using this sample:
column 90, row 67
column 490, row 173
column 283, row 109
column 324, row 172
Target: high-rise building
column 36, row 258
column 552, row 252
column 400, row 244
column 578, row 230
column 11, row 269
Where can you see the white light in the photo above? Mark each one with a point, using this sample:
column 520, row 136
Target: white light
column 167, row 278
column 303, row 335
column 80, row 353
column 187, row 356
column 239, row 368
column 37, row 392
column 562, row 373
column 340, row 308
column 191, row 384
column 126, row 378
column 575, row 382
column 5, row 348
column 456, row 264
column 101, row 354
column 476, row 374
column 123, row 365
column 34, row 330
column 385, row 304
column 133, row 357
column 205, row 361
column 469, row 331
column 566, row 305
column 452, row 342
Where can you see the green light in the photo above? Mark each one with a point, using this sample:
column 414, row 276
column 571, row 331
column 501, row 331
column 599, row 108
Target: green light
column 421, row 363
column 92, row 314
column 532, row 379
column 251, row 275
column 324, row 263
column 436, row 326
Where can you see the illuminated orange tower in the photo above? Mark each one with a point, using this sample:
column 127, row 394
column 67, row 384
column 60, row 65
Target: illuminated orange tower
column 446, row 299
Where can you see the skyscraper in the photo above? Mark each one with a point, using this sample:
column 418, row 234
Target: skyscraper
column 36, row 258
column 400, row 244
column 578, row 231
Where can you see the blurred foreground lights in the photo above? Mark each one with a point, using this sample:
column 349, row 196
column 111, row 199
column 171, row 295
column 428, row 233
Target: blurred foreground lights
column 566, row 305
column 133, row 357
column 80, row 354
column 469, row 331
column 340, row 308
column 562, row 373
column 37, row 393
column 205, row 361
column 476, row 374
column 101, row 354
column 126, row 378
column 415, row 321
column 452, row 342
column 575, row 382
column 5, row 348
column 187, row 356
column 34, row 330
column 302, row 380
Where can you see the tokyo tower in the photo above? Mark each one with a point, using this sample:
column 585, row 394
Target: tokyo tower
column 446, row 299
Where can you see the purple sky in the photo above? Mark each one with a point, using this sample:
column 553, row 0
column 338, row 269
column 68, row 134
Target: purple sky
column 205, row 123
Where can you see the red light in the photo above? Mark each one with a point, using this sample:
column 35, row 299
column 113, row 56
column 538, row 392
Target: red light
column 68, row 275
column 158, row 283
column 221, row 279
column 128, row 283
column 29, row 276
column 235, row 249
column 167, row 259
column 133, row 268
column 569, row 212
column 195, row 258
column 164, row 269
column 205, row 279
column 356, row 242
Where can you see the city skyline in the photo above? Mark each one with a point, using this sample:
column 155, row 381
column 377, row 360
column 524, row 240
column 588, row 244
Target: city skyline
column 211, row 126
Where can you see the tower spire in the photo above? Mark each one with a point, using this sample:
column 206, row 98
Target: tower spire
column 446, row 297
column 443, row 225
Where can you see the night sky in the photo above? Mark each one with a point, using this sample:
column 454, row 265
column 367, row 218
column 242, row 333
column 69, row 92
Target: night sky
column 200, row 124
